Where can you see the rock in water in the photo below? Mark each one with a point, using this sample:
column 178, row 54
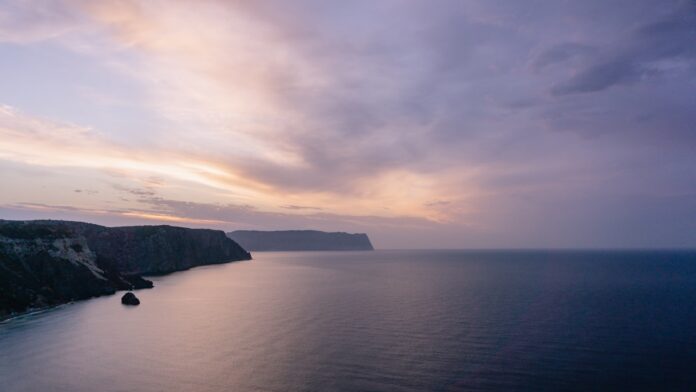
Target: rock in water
column 130, row 299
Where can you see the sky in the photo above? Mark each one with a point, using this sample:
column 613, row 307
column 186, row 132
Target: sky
column 426, row 124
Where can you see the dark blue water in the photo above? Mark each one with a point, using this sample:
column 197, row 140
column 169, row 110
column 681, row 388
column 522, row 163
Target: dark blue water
column 377, row 321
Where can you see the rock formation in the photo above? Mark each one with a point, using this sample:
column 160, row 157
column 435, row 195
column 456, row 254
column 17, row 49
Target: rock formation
column 298, row 240
column 130, row 299
column 45, row 263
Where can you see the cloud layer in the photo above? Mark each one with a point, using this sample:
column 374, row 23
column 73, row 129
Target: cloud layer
column 454, row 124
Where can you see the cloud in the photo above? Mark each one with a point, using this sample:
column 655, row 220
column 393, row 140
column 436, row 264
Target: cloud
column 294, row 207
column 25, row 22
column 464, row 120
column 134, row 191
column 34, row 141
column 86, row 191
column 561, row 53
column 636, row 57
column 599, row 77
column 141, row 215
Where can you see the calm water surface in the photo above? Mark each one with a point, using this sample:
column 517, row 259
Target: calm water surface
column 377, row 321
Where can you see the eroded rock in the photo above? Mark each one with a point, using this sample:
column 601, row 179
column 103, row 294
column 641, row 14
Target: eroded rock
column 130, row 299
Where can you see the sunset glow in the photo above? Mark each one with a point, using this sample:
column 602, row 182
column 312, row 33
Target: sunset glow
column 461, row 125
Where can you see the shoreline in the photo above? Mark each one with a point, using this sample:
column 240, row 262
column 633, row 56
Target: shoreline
column 32, row 311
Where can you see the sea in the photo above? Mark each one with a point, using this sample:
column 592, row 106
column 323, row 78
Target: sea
column 388, row 320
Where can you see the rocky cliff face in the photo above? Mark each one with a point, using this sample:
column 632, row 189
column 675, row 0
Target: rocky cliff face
column 299, row 240
column 151, row 250
column 44, row 263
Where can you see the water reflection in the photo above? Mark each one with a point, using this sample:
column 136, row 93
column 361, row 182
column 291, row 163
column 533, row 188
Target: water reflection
column 444, row 320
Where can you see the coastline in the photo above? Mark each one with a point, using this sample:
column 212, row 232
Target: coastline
column 44, row 263
column 37, row 310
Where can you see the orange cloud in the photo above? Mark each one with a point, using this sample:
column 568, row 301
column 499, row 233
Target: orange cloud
column 39, row 142
column 218, row 75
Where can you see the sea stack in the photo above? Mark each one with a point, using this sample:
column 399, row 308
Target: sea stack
column 130, row 299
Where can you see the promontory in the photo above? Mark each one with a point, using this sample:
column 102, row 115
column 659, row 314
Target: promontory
column 300, row 240
column 49, row 262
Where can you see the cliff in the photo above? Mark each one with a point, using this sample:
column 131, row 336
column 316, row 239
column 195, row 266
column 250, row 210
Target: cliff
column 45, row 263
column 149, row 250
column 300, row 240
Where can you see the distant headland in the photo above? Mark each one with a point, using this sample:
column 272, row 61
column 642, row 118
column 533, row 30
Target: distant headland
column 300, row 240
